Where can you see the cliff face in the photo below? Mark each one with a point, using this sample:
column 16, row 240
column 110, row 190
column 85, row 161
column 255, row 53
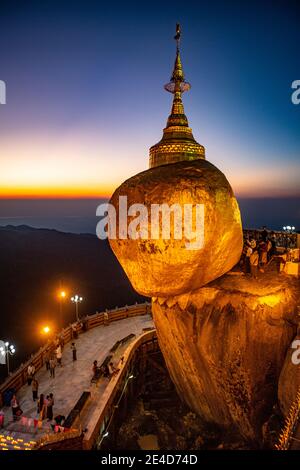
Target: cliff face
column 225, row 345
column 289, row 381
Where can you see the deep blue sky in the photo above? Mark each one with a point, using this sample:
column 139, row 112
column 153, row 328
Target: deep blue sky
column 85, row 97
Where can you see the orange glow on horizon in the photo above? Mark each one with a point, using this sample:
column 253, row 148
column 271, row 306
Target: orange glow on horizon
column 79, row 166
column 55, row 193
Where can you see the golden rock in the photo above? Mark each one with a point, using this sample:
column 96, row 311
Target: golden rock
column 164, row 267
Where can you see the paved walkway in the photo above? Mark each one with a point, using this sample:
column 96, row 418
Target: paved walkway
column 73, row 377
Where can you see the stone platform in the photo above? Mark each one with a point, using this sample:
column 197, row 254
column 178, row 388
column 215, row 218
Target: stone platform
column 72, row 378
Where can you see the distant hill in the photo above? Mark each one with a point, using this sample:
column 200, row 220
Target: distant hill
column 33, row 263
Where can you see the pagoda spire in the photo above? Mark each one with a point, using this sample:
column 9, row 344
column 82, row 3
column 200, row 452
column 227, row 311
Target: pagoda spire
column 177, row 86
column 177, row 143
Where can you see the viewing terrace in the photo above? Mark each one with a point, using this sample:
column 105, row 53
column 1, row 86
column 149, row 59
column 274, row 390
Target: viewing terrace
column 75, row 396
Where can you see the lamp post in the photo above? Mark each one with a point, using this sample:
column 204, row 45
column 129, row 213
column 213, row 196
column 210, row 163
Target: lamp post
column 289, row 228
column 61, row 297
column 7, row 350
column 76, row 299
column 46, row 330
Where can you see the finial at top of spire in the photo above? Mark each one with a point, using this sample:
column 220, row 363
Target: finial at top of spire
column 177, row 83
column 177, row 35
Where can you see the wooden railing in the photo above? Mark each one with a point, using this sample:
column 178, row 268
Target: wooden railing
column 19, row 377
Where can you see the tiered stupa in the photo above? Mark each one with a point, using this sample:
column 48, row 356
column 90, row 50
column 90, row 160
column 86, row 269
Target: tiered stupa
column 178, row 143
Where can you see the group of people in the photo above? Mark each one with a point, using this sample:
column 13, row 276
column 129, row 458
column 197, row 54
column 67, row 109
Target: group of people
column 107, row 370
column 44, row 404
column 54, row 358
column 45, row 407
column 257, row 253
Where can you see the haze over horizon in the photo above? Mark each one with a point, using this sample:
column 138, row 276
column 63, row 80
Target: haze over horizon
column 79, row 215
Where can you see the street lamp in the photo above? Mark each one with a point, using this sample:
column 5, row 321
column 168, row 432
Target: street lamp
column 46, row 329
column 6, row 351
column 76, row 299
column 289, row 228
column 61, row 297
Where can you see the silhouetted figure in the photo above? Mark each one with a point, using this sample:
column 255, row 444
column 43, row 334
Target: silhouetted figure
column 52, row 365
column 58, row 353
column 15, row 408
column 30, row 373
column 41, row 407
column 112, row 369
column 264, row 233
column 47, row 360
column 35, row 389
column 74, row 351
column 254, row 259
column 50, row 404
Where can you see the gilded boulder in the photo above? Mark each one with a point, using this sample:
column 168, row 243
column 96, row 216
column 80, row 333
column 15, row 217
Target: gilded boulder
column 211, row 238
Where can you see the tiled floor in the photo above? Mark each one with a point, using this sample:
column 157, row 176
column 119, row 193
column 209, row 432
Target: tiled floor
column 73, row 377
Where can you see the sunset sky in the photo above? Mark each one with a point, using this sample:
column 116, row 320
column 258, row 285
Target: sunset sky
column 85, row 97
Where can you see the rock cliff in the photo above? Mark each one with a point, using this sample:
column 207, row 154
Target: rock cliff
column 225, row 345
column 289, row 381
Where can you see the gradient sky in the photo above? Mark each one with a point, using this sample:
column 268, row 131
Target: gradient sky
column 85, row 97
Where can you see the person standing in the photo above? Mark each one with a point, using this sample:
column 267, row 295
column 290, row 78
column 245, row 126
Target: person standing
column 74, row 351
column 50, row 403
column 74, row 331
column 254, row 258
column 264, row 233
column 59, row 355
column 263, row 252
column 30, row 373
column 105, row 318
column 41, row 407
column 35, row 389
column 52, row 365
column 273, row 247
column 47, row 360
column 15, row 408
column 247, row 258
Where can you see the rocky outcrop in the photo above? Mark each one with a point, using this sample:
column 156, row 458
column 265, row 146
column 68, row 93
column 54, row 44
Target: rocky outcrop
column 289, row 381
column 157, row 265
column 225, row 345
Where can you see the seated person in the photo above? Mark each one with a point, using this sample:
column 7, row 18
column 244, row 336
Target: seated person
column 57, row 421
column 105, row 371
column 95, row 367
column 112, row 369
